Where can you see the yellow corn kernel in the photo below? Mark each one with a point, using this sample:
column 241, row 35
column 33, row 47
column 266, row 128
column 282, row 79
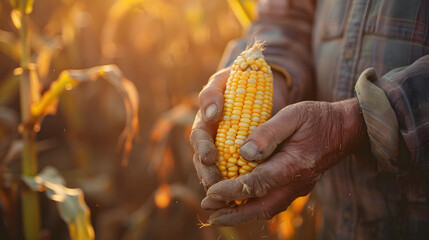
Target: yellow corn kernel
column 248, row 103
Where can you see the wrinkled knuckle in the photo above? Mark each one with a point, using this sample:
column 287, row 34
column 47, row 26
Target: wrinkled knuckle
column 273, row 135
column 213, row 79
column 195, row 138
column 220, row 74
column 302, row 110
column 212, row 179
column 297, row 107
column 258, row 132
column 203, row 93
column 208, row 183
column 267, row 134
column 207, row 151
column 260, row 192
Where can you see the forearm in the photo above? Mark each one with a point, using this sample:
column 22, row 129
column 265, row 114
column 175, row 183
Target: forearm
column 286, row 27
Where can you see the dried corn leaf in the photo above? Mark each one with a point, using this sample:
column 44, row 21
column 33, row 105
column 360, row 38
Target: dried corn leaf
column 131, row 100
column 180, row 115
column 70, row 202
column 186, row 194
column 111, row 73
column 162, row 127
column 49, row 101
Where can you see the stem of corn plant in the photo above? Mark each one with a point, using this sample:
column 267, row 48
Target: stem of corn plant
column 30, row 201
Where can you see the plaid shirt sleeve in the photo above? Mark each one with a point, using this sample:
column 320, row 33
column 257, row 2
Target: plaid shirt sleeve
column 286, row 27
column 396, row 112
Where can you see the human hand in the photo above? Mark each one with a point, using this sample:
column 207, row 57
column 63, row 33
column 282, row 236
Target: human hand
column 211, row 102
column 298, row 144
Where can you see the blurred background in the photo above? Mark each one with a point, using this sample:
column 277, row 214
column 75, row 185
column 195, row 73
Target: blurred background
column 168, row 49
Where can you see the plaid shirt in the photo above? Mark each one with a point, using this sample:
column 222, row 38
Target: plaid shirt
column 378, row 51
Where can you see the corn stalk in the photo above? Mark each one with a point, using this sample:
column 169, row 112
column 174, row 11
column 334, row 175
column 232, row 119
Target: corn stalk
column 30, row 201
column 34, row 107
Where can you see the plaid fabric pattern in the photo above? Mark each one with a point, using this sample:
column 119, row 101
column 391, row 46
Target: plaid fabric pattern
column 325, row 45
column 407, row 90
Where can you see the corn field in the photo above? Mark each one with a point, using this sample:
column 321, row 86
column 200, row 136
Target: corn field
column 97, row 99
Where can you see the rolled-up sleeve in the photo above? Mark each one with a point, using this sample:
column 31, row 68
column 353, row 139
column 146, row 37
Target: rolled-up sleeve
column 396, row 112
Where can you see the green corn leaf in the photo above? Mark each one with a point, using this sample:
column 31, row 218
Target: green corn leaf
column 70, row 202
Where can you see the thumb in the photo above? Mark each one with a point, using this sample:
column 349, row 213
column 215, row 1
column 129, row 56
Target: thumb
column 261, row 143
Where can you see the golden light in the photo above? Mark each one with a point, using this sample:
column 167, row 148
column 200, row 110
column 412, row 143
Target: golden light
column 291, row 219
column 163, row 196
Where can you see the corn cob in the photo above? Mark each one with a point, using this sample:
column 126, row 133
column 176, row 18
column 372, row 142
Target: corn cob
column 248, row 103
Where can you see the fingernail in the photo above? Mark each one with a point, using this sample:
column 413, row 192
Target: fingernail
column 205, row 203
column 249, row 150
column 209, row 203
column 211, row 111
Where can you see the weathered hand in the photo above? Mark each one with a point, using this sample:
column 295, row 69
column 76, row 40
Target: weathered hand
column 204, row 128
column 298, row 144
column 206, row 122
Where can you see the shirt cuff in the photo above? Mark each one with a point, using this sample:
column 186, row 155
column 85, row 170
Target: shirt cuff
column 380, row 119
